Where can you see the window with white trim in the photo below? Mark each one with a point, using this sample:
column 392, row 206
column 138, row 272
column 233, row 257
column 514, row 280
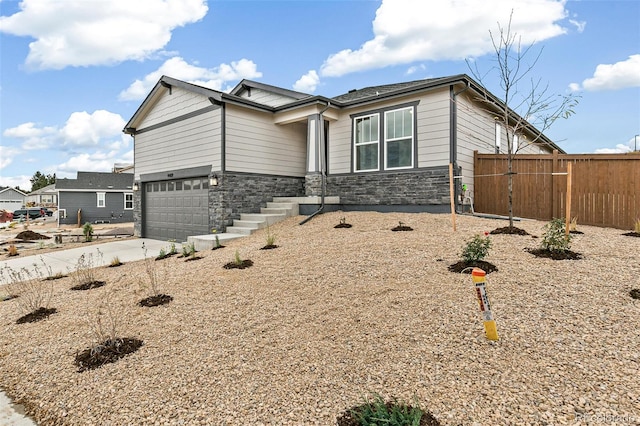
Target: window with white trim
column 367, row 143
column 498, row 137
column 102, row 197
column 398, row 139
column 128, row 200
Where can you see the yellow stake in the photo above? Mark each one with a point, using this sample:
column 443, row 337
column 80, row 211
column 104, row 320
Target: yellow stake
column 479, row 279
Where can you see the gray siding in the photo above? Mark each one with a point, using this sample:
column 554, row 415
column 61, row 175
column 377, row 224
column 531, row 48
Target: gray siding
column 192, row 142
column 179, row 102
column 113, row 211
column 255, row 145
column 432, row 131
column 266, row 98
column 11, row 200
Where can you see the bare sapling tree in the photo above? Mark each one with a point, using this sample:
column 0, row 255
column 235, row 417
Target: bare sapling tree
column 523, row 114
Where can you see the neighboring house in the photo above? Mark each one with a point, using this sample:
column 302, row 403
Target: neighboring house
column 46, row 196
column 11, row 199
column 203, row 157
column 100, row 197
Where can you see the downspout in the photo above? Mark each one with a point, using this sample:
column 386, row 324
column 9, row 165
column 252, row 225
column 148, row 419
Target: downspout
column 323, row 165
column 453, row 148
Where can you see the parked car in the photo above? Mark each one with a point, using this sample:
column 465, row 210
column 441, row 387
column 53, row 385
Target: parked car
column 33, row 212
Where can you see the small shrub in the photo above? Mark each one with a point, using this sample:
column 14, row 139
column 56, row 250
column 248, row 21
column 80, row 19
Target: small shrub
column 573, row 224
column 238, row 262
column 218, row 245
column 13, row 250
column 153, row 272
column 84, row 274
column 172, row 249
column 115, row 262
column 12, row 225
column 379, row 412
column 87, row 230
column 554, row 238
column 188, row 250
column 476, row 249
column 161, row 255
column 34, row 293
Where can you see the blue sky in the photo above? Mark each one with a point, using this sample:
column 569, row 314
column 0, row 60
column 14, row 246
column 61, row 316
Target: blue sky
column 74, row 71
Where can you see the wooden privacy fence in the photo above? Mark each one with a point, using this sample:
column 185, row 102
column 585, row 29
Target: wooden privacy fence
column 605, row 187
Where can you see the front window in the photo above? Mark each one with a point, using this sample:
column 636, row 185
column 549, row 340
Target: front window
column 128, row 201
column 101, row 199
column 399, row 138
column 366, row 130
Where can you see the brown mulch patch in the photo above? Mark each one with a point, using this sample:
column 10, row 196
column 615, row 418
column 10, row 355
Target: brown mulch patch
column 88, row 286
column 632, row 234
column 635, row 293
column 37, row 315
column 219, row 247
column 30, row 235
column 576, row 232
column 269, row 247
column 350, row 416
column 463, row 267
column 555, row 255
column 512, row 230
column 190, row 258
column 115, row 265
column 108, row 351
column 165, row 256
column 242, row 265
column 402, row 228
column 55, row 277
column 157, row 300
column 342, row 225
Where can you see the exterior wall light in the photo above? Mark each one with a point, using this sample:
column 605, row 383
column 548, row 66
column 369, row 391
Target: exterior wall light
column 213, row 180
column 136, row 186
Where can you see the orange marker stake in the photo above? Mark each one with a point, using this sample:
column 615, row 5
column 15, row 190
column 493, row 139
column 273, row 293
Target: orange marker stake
column 479, row 279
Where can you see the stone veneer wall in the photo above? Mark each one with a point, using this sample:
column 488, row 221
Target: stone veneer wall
column 137, row 212
column 422, row 187
column 238, row 193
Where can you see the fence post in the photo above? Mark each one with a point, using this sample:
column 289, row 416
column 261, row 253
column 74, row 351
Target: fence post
column 554, row 185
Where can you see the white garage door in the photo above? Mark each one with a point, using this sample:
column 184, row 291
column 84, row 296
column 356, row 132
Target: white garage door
column 176, row 209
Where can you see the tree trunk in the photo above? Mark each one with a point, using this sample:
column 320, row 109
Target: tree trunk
column 510, row 188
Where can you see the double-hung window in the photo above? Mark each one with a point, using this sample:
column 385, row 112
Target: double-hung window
column 398, row 138
column 367, row 143
column 102, row 196
column 128, row 201
column 395, row 147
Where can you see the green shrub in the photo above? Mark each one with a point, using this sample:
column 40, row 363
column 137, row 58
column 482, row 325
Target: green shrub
column 555, row 239
column 476, row 249
column 87, row 230
column 379, row 412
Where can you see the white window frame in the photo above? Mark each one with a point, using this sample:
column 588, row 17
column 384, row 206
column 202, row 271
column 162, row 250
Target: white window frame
column 386, row 141
column 356, row 144
column 498, row 137
column 125, row 200
column 101, row 196
column 515, row 143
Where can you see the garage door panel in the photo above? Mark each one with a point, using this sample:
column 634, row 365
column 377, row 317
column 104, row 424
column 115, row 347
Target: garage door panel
column 175, row 214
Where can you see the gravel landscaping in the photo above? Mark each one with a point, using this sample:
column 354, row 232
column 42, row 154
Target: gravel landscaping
column 334, row 315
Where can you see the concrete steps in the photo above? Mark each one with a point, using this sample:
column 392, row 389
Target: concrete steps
column 248, row 223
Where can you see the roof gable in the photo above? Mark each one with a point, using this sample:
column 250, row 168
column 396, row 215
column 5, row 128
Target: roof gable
column 8, row 189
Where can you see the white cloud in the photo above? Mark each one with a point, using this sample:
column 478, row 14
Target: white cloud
column 22, row 181
column 213, row 78
column 578, row 24
column 81, row 130
column 308, row 82
column 620, row 148
column 98, row 32
column 620, row 75
column 99, row 161
column 7, row 154
column 415, row 68
column 406, row 31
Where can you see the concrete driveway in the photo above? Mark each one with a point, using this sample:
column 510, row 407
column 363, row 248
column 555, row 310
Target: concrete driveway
column 64, row 261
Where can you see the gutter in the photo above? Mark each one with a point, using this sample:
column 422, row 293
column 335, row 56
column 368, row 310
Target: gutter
column 323, row 168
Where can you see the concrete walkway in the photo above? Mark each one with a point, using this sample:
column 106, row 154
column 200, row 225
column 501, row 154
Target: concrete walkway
column 64, row 261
